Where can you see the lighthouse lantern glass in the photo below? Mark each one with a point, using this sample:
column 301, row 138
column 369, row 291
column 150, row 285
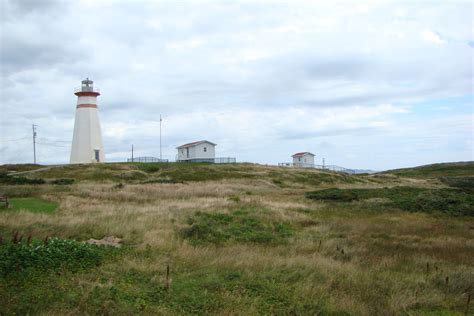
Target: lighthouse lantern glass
column 87, row 85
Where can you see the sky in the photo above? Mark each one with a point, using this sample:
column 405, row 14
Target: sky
column 364, row 84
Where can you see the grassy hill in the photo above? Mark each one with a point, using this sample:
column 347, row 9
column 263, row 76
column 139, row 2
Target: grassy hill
column 236, row 239
column 437, row 170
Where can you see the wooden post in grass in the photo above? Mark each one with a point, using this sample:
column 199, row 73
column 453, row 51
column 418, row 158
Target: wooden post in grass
column 15, row 237
column 167, row 284
column 468, row 301
column 446, row 284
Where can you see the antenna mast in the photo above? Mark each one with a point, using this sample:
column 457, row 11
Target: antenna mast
column 34, row 143
column 160, row 138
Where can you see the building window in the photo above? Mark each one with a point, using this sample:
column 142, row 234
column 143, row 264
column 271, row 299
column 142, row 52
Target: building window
column 299, row 158
column 205, row 149
column 97, row 157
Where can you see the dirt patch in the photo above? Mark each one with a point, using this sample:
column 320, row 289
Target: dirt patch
column 106, row 241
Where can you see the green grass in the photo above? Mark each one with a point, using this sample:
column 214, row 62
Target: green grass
column 193, row 291
column 161, row 180
column 149, row 167
column 19, row 167
column 239, row 226
column 447, row 201
column 33, row 205
column 466, row 183
column 185, row 172
column 437, row 170
column 93, row 172
column 205, row 172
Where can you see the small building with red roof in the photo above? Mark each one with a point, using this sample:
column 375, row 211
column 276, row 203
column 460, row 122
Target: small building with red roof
column 303, row 159
column 200, row 151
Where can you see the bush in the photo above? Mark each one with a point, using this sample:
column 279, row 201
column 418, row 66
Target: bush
column 333, row 195
column 64, row 181
column 239, row 226
column 459, row 182
column 7, row 179
column 162, row 180
column 148, row 167
column 55, row 254
column 449, row 201
column 118, row 186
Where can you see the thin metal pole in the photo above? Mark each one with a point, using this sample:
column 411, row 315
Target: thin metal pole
column 160, row 138
column 34, row 143
column 132, row 152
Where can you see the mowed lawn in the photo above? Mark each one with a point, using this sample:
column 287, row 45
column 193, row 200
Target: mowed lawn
column 240, row 239
column 34, row 205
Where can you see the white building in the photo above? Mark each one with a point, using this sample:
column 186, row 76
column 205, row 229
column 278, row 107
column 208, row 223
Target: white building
column 303, row 160
column 201, row 151
column 87, row 139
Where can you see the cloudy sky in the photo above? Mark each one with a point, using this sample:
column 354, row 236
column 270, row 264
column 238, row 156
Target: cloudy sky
column 364, row 84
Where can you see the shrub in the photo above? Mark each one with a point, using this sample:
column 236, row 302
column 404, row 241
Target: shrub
column 234, row 198
column 118, row 186
column 55, row 254
column 148, row 167
column 240, row 226
column 448, row 201
column 8, row 179
column 332, row 195
column 65, row 181
column 459, row 182
column 162, row 180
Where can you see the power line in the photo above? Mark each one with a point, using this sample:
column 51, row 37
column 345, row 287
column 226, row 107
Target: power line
column 14, row 140
column 55, row 140
column 53, row 145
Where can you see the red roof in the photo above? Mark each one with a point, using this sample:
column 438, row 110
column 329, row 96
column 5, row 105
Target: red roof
column 195, row 143
column 302, row 154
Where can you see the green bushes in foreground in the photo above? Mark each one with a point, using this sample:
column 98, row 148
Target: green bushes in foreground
column 448, row 201
column 53, row 254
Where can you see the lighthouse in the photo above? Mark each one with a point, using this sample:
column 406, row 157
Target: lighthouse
column 87, row 139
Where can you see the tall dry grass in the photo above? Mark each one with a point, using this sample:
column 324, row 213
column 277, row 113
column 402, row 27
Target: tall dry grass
column 357, row 261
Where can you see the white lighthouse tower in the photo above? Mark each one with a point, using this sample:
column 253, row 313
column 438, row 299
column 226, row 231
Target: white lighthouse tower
column 87, row 140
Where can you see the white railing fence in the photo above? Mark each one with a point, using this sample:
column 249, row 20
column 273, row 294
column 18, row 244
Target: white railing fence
column 321, row 167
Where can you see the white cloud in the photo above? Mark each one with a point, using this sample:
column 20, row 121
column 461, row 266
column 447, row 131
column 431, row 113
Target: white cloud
column 432, row 37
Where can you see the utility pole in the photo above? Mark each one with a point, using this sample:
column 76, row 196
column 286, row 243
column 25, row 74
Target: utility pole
column 323, row 164
column 132, row 152
column 34, row 143
column 160, row 138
